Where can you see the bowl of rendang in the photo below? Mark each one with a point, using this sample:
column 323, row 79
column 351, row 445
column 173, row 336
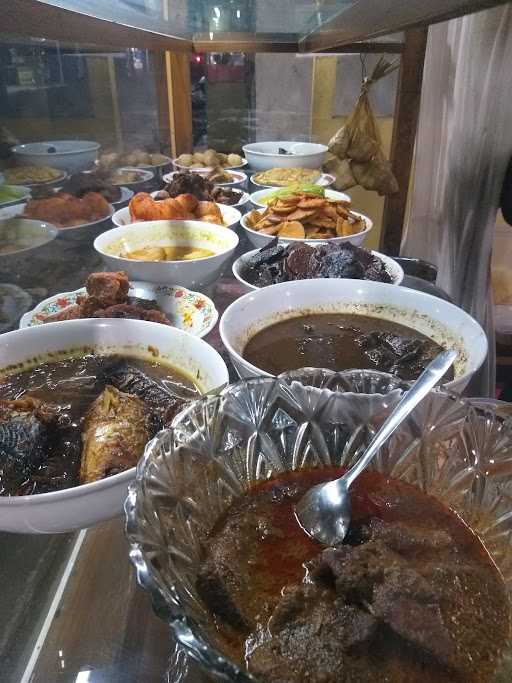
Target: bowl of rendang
column 79, row 400
column 348, row 324
column 192, row 254
column 420, row 589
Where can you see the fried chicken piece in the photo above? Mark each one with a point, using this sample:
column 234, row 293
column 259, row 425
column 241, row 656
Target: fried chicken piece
column 108, row 288
column 144, row 208
column 66, row 211
column 209, row 209
column 188, row 202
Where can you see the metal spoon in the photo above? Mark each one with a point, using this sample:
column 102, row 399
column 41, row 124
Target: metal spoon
column 324, row 511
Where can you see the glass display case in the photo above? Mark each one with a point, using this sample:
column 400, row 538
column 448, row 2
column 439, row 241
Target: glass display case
column 145, row 83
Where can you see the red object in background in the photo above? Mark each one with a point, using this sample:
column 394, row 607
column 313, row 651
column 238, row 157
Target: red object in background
column 219, row 73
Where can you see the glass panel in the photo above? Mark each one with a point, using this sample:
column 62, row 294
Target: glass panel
column 73, row 611
column 186, row 17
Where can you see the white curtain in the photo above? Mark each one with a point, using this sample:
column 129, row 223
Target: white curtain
column 463, row 145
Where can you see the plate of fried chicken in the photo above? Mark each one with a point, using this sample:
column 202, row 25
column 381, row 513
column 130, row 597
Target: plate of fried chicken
column 111, row 295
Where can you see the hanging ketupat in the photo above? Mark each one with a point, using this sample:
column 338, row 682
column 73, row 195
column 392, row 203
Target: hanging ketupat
column 358, row 158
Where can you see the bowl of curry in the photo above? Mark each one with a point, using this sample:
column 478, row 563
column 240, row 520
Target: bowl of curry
column 419, row 591
column 344, row 324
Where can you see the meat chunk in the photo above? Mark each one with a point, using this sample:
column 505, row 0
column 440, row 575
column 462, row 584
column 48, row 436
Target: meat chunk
column 295, row 651
column 128, row 311
column 353, row 571
column 404, row 538
column 70, row 313
column 108, row 288
column 408, row 605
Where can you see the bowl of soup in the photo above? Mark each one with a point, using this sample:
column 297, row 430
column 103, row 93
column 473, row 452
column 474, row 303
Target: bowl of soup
column 345, row 324
column 192, row 254
column 79, row 400
column 420, row 589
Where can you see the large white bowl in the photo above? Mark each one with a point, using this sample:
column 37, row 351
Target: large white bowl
column 264, row 155
column 70, row 155
column 437, row 319
column 259, row 239
column 191, row 274
column 88, row 504
column 74, row 233
column 256, row 197
column 392, row 267
column 230, row 216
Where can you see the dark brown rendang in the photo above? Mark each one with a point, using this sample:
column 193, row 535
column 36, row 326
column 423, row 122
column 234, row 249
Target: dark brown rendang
column 411, row 596
column 342, row 342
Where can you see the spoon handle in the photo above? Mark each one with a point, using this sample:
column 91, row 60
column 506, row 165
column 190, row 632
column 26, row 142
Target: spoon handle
column 425, row 382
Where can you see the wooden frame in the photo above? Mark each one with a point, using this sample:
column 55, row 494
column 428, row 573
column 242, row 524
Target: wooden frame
column 405, row 122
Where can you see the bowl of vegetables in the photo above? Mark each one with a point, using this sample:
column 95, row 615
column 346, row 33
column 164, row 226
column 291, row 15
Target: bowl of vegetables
column 13, row 194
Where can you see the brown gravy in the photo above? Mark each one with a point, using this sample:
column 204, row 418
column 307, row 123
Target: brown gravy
column 411, row 596
column 341, row 342
column 69, row 387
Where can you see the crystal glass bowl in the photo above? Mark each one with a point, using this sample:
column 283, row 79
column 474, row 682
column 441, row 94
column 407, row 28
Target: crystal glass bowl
column 260, row 427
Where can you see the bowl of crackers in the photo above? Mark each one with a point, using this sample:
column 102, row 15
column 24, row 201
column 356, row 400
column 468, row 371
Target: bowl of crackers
column 306, row 217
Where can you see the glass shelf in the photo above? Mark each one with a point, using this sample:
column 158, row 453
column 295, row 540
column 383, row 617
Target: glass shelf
column 259, row 25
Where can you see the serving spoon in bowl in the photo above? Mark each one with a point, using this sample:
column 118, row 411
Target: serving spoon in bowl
column 324, row 512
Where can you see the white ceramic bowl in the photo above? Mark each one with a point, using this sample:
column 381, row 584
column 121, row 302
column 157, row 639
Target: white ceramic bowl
column 191, row 274
column 29, row 234
column 138, row 185
column 23, row 192
column 264, row 155
column 239, row 178
column 325, row 180
column 69, row 155
column 392, row 267
column 259, row 239
column 75, row 233
column 437, row 319
column 230, row 216
column 88, row 504
column 187, row 310
column 256, row 197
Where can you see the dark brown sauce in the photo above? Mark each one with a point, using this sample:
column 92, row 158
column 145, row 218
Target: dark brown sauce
column 259, row 551
column 69, row 386
column 341, row 342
